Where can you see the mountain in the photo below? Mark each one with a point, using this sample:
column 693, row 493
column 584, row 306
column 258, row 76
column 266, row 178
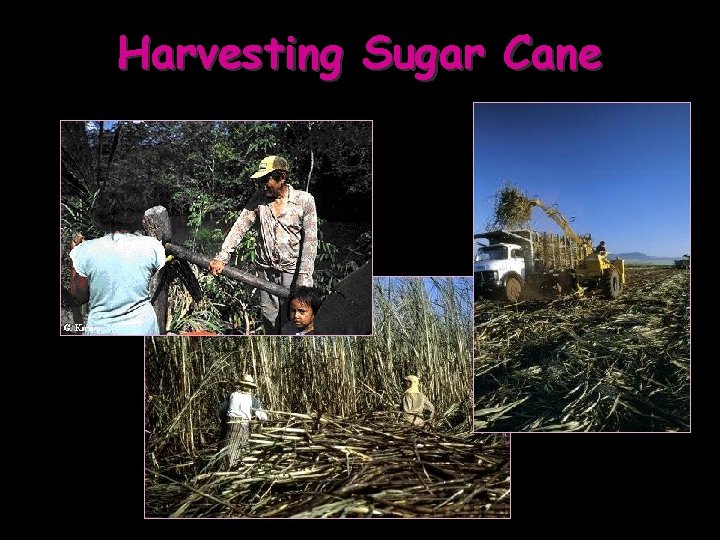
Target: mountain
column 637, row 257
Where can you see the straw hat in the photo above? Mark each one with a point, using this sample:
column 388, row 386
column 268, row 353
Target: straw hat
column 247, row 380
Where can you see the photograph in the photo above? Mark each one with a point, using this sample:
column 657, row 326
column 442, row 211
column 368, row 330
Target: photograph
column 219, row 227
column 326, row 426
column 581, row 264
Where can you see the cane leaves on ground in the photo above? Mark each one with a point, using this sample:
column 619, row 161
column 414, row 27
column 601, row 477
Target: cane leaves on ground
column 588, row 364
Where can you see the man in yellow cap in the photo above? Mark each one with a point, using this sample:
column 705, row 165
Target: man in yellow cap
column 286, row 220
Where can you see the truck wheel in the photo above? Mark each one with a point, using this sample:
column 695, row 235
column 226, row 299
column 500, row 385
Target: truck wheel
column 513, row 288
column 567, row 283
column 611, row 284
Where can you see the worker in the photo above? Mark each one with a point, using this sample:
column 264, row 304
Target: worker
column 415, row 403
column 238, row 411
column 286, row 221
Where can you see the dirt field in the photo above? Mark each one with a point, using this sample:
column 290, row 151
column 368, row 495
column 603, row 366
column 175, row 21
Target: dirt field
column 587, row 364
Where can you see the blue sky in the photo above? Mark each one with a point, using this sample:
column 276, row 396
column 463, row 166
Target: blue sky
column 462, row 284
column 621, row 170
column 108, row 124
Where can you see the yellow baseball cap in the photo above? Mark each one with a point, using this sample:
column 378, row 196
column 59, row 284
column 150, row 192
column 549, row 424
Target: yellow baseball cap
column 270, row 164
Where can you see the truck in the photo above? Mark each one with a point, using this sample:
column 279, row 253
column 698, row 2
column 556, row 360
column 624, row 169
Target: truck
column 513, row 262
column 683, row 263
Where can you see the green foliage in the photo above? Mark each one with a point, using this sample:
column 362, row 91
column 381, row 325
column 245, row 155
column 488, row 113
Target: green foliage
column 326, row 252
column 333, row 262
column 198, row 208
column 245, row 250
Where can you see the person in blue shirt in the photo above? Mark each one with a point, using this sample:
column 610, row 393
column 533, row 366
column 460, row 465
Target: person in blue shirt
column 113, row 272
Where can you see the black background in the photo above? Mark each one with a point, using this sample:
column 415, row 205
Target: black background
column 423, row 222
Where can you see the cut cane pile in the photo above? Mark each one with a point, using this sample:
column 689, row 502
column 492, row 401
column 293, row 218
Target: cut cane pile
column 297, row 465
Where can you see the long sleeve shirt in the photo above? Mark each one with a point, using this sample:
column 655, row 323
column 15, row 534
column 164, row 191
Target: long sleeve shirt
column 243, row 406
column 287, row 242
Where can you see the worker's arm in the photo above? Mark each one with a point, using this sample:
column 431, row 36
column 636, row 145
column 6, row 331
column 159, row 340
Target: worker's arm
column 429, row 407
column 79, row 287
column 242, row 225
column 309, row 244
column 258, row 410
column 407, row 404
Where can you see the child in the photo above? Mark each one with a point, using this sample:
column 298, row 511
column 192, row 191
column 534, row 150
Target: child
column 303, row 304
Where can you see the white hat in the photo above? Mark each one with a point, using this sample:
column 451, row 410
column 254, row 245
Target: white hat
column 247, row 380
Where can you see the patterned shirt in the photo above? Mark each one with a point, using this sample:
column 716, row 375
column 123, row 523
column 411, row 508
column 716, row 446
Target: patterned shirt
column 287, row 242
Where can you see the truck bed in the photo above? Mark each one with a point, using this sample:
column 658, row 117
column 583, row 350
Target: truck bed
column 543, row 251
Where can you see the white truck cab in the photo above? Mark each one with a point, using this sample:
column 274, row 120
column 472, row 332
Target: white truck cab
column 495, row 263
